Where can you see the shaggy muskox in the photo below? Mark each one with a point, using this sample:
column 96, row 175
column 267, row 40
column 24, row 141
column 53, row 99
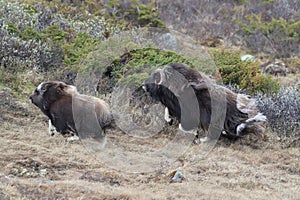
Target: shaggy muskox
column 198, row 102
column 70, row 111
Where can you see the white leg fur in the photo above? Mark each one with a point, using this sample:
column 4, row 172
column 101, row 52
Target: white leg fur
column 193, row 131
column 144, row 88
column 51, row 129
column 240, row 128
column 167, row 115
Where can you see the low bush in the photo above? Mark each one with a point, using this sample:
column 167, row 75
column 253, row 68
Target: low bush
column 280, row 36
column 47, row 38
column 282, row 110
column 244, row 74
column 134, row 13
column 136, row 65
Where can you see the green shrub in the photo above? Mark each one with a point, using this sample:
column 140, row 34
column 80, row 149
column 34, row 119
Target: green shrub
column 21, row 83
column 278, row 36
column 288, row 28
column 150, row 58
column 54, row 34
column 134, row 66
column 78, row 48
column 134, row 13
column 246, row 75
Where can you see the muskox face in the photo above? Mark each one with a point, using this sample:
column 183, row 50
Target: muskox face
column 153, row 84
column 160, row 87
column 48, row 92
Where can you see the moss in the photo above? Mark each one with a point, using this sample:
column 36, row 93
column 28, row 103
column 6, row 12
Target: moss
column 132, row 67
column 30, row 9
column 134, row 80
column 147, row 17
column 27, row 34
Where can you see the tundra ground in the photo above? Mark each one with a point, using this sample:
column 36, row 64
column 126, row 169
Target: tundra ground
column 35, row 165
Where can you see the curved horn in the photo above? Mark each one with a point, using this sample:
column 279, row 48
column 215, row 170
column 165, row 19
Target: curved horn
column 162, row 76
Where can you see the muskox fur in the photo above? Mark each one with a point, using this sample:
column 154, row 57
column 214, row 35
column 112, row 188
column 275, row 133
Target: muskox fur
column 240, row 117
column 68, row 110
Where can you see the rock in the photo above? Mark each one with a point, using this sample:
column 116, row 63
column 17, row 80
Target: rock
column 276, row 68
column 176, row 176
column 248, row 57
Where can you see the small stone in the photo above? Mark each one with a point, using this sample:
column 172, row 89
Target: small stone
column 176, row 176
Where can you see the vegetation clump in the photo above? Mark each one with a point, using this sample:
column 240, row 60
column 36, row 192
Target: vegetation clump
column 133, row 13
column 282, row 110
column 244, row 74
column 42, row 39
column 280, row 35
column 136, row 65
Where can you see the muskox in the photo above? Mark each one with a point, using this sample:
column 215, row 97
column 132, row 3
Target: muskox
column 68, row 110
column 197, row 102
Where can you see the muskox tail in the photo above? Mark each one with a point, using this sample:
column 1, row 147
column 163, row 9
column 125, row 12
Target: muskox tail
column 255, row 129
column 254, row 125
column 255, row 122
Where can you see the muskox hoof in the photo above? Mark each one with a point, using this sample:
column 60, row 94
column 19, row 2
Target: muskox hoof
column 73, row 138
column 51, row 129
column 196, row 139
column 204, row 139
column 52, row 132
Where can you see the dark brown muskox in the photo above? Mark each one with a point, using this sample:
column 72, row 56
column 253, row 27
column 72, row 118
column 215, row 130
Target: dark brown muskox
column 70, row 111
column 198, row 102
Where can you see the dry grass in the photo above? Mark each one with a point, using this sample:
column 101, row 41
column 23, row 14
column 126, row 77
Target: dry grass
column 34, row 165
column 37, row 166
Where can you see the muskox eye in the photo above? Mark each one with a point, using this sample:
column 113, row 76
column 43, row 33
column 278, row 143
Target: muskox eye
column 156, row 78
column 43, row 90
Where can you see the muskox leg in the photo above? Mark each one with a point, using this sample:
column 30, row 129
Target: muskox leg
column 196, row 138
column 195, row 132
column 51, row 129
column 240, row 128
column 167, row 116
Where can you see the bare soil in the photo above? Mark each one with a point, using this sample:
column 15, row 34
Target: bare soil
column 35, row 165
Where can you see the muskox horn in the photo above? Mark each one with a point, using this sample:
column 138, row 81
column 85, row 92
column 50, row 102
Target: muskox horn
column 162, row 77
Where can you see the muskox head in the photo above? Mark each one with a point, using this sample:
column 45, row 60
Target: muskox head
column 49, row 92
column 173, row 89
column 154, row 85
